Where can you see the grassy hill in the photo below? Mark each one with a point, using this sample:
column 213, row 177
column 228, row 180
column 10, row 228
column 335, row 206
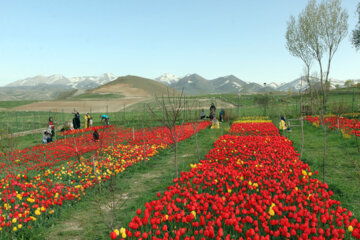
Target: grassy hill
column 41, row 92
column 132, row 86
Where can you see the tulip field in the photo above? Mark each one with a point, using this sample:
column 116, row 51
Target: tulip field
column 251, row 185
column 347, row 126
column 37, row 181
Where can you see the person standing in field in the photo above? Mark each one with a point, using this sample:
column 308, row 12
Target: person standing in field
column 51, row 128
column 105, row 118
column 221, row 115
column 212, row 111
column 76, row 120
column 87, row 120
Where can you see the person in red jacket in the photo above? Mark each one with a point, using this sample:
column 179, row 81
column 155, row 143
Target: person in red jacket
column 51, row 128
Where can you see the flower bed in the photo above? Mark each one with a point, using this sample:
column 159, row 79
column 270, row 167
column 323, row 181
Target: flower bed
column 83, row 130
column 254, row 129
column 248, row 187
column 36, row 180
column 347, row 126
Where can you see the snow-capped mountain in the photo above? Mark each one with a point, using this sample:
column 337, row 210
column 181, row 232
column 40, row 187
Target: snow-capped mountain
column 34, row 81
column 191, row 83
column 85, row 82
column 167, row 78
column 295, row 85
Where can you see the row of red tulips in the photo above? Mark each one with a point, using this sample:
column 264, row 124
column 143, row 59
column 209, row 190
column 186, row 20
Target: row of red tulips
column 248, row 187
column 255, row 129
column 348, row 126
column 36, row 180
column 82, row 130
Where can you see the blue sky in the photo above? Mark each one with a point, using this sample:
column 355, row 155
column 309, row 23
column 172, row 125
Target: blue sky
column 151, row 37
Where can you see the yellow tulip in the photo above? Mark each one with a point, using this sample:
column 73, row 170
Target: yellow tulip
column 37, row 212
column 194, row 214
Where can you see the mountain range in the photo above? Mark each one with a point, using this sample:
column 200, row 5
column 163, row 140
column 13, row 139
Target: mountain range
column 85, row 82
column 54, row 86
column 196, row 84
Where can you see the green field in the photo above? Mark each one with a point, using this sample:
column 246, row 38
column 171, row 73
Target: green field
column 242, row 105
column 93, row 96
column 12, row 104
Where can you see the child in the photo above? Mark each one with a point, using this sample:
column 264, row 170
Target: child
column 215, row 124
column 91, row 122
column 202, row 114
column 45, row 137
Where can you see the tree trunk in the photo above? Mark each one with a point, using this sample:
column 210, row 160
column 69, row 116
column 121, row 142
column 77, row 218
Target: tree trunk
column 301, row 117
column 322, row 87
column 310, row 88
column 175, row 159
column 197, row 146
column 302, row 137
column 327, row 76
column 324, row 154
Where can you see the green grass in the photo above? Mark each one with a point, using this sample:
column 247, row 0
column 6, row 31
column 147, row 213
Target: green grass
column 93, row 96
column 135, row 186
column 29, row 140
column 12, row 104
column 342, row 166
column 244, row 106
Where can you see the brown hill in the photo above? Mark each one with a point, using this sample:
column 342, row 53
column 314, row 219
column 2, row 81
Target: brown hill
column 133, row 86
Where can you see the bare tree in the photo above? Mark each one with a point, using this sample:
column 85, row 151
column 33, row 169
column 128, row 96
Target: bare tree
column 168, row 110
column 317, row 34
column 323, row 27
column 356, row 32
column 297, row 46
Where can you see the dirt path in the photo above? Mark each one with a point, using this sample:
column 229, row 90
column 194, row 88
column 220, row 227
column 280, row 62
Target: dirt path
column 137, row 185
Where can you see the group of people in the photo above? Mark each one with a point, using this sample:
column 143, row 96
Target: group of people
column 88, row 120
column 212, row 115
column 49, row 133
column 77, row 122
